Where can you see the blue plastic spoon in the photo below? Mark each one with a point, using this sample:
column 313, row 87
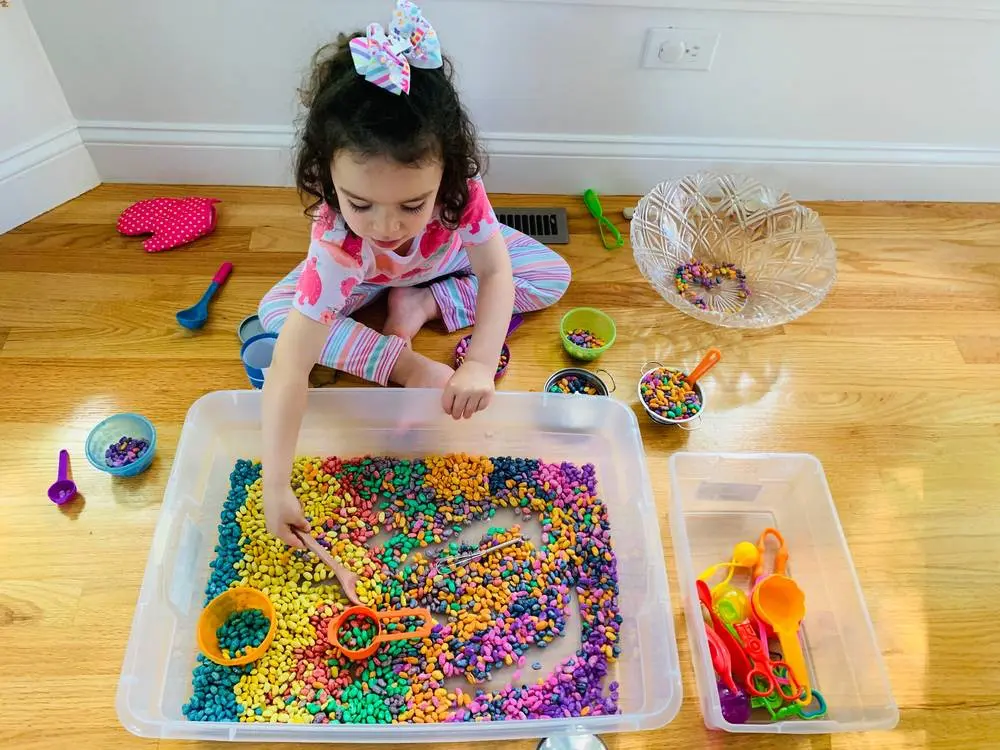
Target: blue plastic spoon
column 195, row 317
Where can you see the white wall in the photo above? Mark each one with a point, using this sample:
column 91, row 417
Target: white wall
column 42, row 159
column 850, row 99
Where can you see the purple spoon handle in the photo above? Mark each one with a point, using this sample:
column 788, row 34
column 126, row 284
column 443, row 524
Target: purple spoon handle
column 63, row 465
column 515, row 323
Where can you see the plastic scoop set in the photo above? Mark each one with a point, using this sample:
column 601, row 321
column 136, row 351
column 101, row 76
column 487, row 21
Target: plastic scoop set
column 755, row 640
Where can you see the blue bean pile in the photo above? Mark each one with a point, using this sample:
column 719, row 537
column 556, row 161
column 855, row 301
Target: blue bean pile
column 213, row 696
column 242, row 630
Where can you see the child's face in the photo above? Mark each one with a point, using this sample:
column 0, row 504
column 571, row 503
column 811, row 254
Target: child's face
column 385, row 202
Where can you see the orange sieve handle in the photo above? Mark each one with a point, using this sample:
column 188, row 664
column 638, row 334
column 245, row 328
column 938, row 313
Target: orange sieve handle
column 395, row 614
column 712, row 357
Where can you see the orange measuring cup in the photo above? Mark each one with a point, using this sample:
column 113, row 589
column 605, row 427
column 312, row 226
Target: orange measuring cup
column 780, row 602
column 218, row 610
column 376, row 619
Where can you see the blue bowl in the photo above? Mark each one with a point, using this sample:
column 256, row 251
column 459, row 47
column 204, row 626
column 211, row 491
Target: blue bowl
column 111, row 430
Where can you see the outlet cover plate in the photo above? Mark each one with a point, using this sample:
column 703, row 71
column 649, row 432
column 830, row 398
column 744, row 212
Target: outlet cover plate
column 680, row 49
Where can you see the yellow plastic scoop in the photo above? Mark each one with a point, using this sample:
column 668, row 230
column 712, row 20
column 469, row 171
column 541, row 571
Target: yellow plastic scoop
column 780, row 603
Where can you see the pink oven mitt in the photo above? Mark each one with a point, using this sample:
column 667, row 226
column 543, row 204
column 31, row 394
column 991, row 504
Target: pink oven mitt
column 172, row 221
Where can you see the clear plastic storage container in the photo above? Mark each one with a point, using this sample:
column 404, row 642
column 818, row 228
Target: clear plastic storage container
column 719, row 500
column 224, row 426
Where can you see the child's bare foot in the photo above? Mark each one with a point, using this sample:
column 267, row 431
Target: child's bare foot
column 414, row 370
column 410, row 308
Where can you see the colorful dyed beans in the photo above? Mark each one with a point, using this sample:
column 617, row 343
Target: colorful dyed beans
column 574, row 384
column 667, row 394
column 124, row 451
column 693, row 279
column 493, row 610
column 585, row 338
column 242, row 630
column 357, row 633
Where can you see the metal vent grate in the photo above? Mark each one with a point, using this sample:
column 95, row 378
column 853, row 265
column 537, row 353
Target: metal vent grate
column 544, row 224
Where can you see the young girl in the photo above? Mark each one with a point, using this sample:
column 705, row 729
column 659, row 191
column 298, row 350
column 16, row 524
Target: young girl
column 391, row 159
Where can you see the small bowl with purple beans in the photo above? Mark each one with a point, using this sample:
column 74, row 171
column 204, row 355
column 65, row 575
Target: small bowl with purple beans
column 122, row 445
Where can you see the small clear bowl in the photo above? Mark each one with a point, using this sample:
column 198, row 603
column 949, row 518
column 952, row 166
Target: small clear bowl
column 110, row 431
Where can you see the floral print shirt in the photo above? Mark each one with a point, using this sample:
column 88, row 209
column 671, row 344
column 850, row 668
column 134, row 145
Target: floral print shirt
column 339, row 260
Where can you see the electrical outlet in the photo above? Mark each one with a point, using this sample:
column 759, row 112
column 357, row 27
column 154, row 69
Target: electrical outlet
column 680, row 49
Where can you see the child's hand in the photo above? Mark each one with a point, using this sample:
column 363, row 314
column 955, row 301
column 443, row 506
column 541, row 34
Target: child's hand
column 283, row 512
column 470, row 389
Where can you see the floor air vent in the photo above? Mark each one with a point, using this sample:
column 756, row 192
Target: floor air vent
column 548, row 225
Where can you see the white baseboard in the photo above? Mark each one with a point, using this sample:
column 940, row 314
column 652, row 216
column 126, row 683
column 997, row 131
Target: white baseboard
column 562, row 163
column 193, row 154
column 43, row 174
column 968, row 10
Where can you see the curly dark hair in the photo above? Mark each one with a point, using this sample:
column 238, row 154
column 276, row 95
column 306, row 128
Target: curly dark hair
column 344, row 111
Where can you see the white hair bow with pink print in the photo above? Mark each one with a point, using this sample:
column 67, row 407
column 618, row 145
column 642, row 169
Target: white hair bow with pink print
column 384, row 58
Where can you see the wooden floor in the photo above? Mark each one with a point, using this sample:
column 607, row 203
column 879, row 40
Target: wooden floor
column 894, row 383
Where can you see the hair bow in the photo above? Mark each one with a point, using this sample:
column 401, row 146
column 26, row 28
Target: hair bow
column 384, row 58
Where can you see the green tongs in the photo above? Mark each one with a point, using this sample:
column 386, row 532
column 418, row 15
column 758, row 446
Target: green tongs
column 610, row 235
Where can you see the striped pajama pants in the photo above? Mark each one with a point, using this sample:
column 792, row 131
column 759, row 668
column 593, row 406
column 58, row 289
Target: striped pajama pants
column 540, row 279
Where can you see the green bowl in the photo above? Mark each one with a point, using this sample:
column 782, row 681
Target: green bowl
column 591, row 319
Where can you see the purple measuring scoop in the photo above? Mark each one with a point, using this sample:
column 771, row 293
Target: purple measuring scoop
column 515, row 323
column 63, row 489
column 735, row 706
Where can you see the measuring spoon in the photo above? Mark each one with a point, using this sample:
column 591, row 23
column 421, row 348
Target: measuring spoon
column 745, row 556
column 782, row 604
column 375, row 620
column 735, row 705
column 63, row 489
column 195, row 317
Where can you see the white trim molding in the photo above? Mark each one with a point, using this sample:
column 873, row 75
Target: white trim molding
column 555, row 163
column 195, row 154
column 43, row 173
column 975, row 10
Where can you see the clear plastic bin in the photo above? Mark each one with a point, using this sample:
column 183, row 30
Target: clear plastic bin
column 224, row 426
column 719, row 500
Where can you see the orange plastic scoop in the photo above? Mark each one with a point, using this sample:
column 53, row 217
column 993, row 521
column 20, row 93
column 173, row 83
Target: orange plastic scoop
column 373, row 621
column 217, row 612
column 780, row 602
column 712, row 357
